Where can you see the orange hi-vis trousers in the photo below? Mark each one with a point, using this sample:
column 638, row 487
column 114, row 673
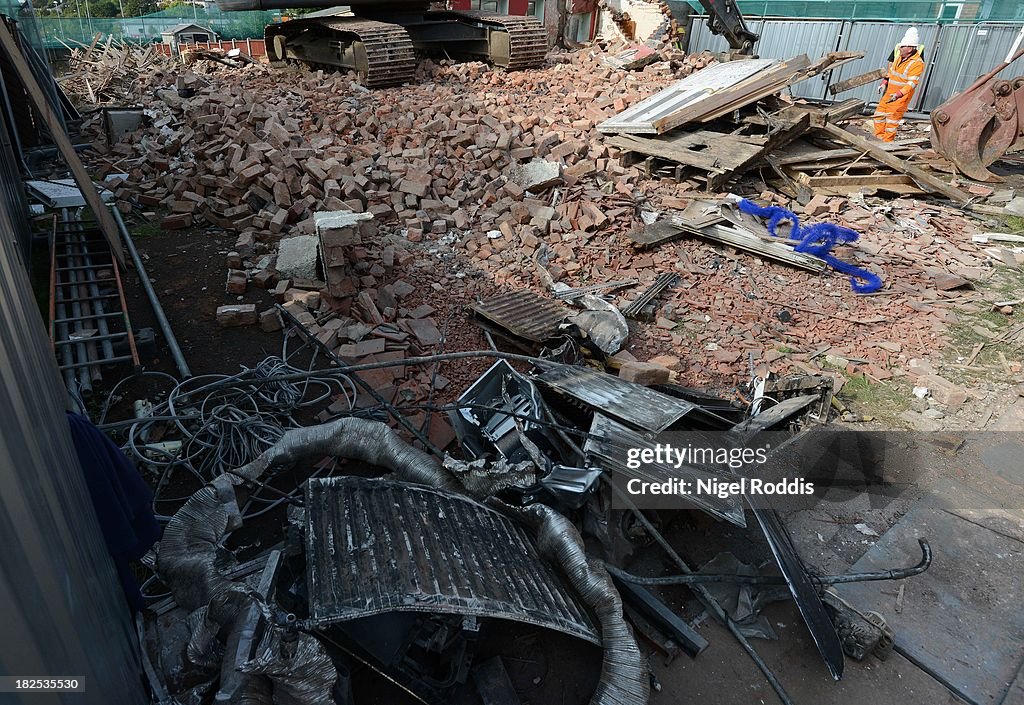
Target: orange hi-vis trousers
column 903, row 77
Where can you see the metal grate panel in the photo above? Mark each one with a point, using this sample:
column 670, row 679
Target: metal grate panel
column 523, row 313
column 377, row 546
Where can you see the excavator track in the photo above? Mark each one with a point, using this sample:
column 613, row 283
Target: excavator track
column 385, row 55
column 528, row 44
column 390, row 57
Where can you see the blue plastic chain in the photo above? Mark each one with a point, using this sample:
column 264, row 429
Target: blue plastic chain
column 817, row 240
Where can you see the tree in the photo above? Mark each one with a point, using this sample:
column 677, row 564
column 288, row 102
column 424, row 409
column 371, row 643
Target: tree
column 136, row 8
column 104, row 8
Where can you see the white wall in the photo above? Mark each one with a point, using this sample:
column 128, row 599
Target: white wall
column 646, row 15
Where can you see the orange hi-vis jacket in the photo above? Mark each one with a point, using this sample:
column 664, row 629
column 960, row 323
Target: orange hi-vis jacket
column 904, row 75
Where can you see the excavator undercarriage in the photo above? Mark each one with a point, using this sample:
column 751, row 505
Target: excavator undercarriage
column 379, row 39
column 382, row 49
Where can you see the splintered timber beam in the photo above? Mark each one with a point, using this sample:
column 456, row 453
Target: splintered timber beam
column 925, row 180
column 857, row 81
column 60, row 138
column 748, row 242
column 858, row 180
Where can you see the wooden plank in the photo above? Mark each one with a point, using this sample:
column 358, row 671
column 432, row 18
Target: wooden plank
column 742, row 240
column 811, row 155
column 861, row 180
column 831, row 61
column 986, row 209
column 924, row 180
column 795, row 75
column 798, row 71
column 868, row 183
column 897, row 189
column 818, row 115
column 714, row 152
column 857, row 81
column 657, row 233
column 720, row 155
column 95, row 41
column 64, row 146
column 843, row 111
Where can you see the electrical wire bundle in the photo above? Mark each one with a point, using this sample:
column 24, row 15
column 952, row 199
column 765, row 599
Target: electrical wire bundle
column 219, row 422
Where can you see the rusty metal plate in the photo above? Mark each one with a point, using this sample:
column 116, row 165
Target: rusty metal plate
column 524, row 314
column 377, row 546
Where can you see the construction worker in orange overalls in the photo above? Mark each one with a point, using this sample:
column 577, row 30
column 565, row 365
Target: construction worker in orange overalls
column 906, row 66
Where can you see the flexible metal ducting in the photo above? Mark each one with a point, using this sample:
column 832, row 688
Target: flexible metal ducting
column 203, row 649
column 190, row 546
column 482, row 478
column 301, row 671
column 624, row 674
column 190, row 562
column 372, row 442
column 256, row 691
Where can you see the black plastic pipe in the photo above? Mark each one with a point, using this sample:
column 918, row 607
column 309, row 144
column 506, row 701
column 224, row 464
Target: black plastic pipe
column 693, row 578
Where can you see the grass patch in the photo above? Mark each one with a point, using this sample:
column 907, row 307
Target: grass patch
column 144, row 230
column 1015, row 223
column 882, row 400
column 1006, row 283
column 982, row 327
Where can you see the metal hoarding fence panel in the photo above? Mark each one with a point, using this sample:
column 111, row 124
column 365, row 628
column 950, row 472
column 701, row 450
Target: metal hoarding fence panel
column 877, row 40
column 966, row 51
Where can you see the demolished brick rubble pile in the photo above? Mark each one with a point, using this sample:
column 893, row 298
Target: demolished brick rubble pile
column 257, row 151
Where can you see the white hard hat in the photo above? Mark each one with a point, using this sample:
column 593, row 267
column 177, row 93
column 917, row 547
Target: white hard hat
column 910, row 39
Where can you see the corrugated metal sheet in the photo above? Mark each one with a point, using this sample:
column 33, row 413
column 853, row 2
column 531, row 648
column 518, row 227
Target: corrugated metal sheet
column 14, row 213
column 630, row 403
column 965, row 52
column 780, row 39
column 639, row 118
column 61, row 604
column 608, row 445
column 524, row 313
column 376, row 546
column 877, row 40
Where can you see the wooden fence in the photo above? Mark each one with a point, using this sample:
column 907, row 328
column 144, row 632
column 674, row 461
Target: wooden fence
column 250, row 47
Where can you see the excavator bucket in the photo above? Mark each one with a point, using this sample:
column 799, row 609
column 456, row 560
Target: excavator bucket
column 975, row 128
